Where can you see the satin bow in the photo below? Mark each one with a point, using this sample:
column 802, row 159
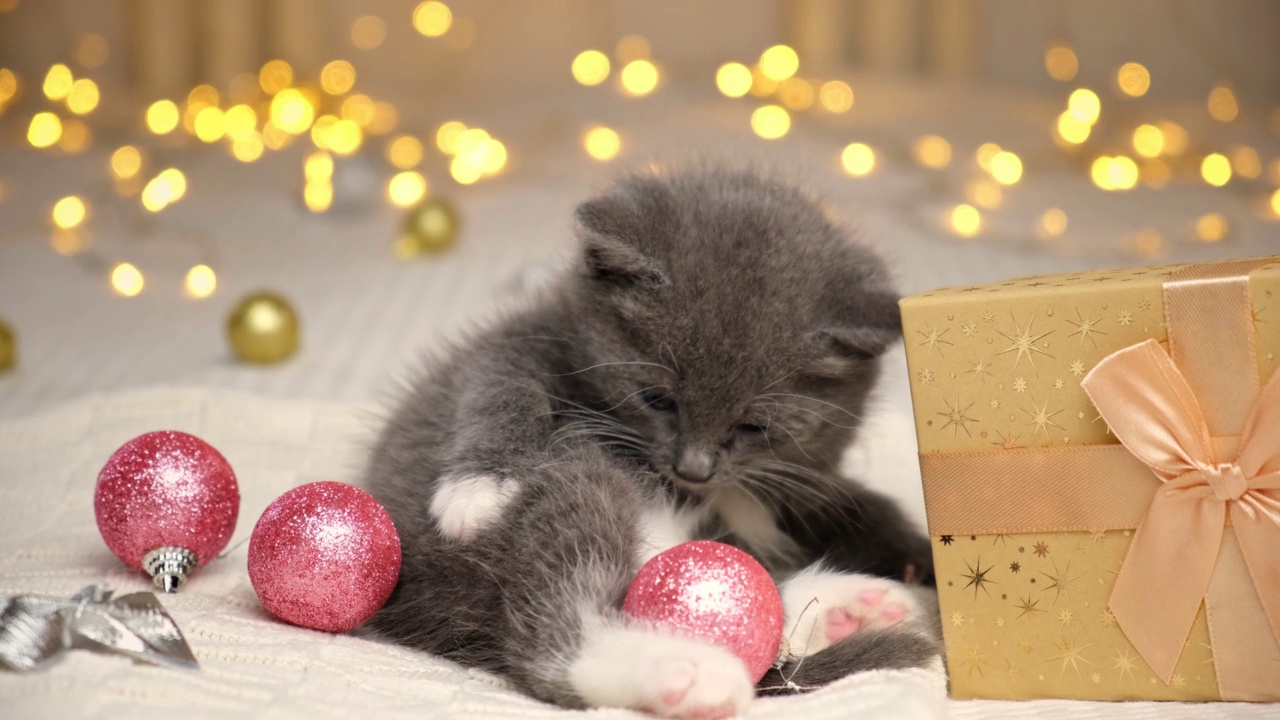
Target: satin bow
column 1150, row 407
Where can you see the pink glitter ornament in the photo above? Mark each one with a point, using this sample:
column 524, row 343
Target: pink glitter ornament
column 713, row 592
column 324, row 556
column 166, row 503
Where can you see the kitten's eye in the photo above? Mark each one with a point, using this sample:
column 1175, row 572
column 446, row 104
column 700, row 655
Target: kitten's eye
column 659, row 400
column 749, row 429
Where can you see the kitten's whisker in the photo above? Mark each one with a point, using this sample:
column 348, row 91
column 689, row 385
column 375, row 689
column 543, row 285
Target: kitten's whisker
column 819, row 415
column 814, row 399
column 609, row 364
column 784, row 377
column 796, row 443
column 623, row 400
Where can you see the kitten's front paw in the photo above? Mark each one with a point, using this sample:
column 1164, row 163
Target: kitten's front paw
column 825, row 608
column 463, row 505
column 667, row 676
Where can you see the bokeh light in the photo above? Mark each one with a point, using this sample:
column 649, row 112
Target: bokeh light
column 590, row 67
column 69, row 212
column 1156, row 173
column 83, row 98
column 447, row 136
column 984, row 193
column 291, row 111
column 432, row 18
column 986, row 153
column 275, row 75
column 1072, row 129
column 601, row 143
column 1216, row 169
column 92, row 51
column 1175, row 137
column 345, row 137
column 836, row 96
column 126, row 162
column 795, row 94
column 1114, row 173
column 45, row 130
column 1275, row 202
column 248, row 148
column 1084, row 105
column 770, row 122
column 932, row 151
column 858, row 159
column 76, row 136
column 639, row 77
column 632, row 47
column 965, row 220
column 58, row 82
column 240, row 121
column 162, row 117
column 1212, row 227
column 1245, row 162
column 318, row 196
column 126, row 279
column 337, row 77
column 1149, row 243
column 1223, row 106
column 406, row 189
column 1006, row 168
column 368, row 32
column 1060, row 62
column 779, row 62
column 211, row 124
column 1133, row 79
column 1052, row 223
column 317, row 166
column 201, row 281
column 733, row 79
column 1148, row 141
column 405, row 152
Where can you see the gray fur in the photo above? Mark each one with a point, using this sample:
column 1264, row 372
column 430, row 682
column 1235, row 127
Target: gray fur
column 732, row 292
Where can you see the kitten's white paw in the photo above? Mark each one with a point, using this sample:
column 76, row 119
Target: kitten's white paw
column 466, row 504
column 667, row 676
column 826, row 607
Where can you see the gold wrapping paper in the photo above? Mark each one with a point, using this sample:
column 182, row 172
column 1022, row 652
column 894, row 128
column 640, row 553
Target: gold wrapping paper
column 995, row 377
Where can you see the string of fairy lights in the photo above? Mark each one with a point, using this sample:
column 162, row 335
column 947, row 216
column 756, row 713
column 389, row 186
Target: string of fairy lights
column 273, row 109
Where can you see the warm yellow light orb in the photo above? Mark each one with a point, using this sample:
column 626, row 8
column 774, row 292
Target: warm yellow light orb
column 858, row 159
column 1212, row 227
column 986, row 152
column 176, row 181
column 275, row 75
column 795, row 94
column 248, row 148
column 69, row 212
column 162, row 117
column 202, row 96
column 211, row 124
column 733, row 79
column 345, row 137
column 406, row 188
column 1133, row 79
column 126, row 162
column 470, row 141
column 1216, row 169
column 1052, row 223
column 291, row 111
column 126, row 279
column 76, row 136
column 779, row 63
column 1156, row 173
column 8, row 85
column 601, row 143
column 464, row 170
column 1122, row 173
column 1149, row 243
column 240, row 121
column 447, row 136
column 495, row 158
column 590, row 67
column 1084, row 105
column 1006, row 167
column 368, row 32
column 45, row 130
column 337, row 77
column 318, row 195
column 385, row 118
column 639, row 77
column 1175, row 137
column 405, row 152
column 1245, row 162
column 1060, row 62
column 1275, row 202
column 92, row 51
column 201, row 281
column 318, row 166
column 1223, row 106
column 1100, row 172
column 1148, row 141
column 432, row 18
column 632, row 47
column 58, row 82
column 770, row 122
column 1072, row 129
column 836, row 96
column 984, row 193
column 83, row 97
column 360, row 109
column 966, row 221
column 932, row 151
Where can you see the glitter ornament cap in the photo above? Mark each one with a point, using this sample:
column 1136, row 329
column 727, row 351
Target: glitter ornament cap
column 324, row 556
column 713, row 592
column 166, row 503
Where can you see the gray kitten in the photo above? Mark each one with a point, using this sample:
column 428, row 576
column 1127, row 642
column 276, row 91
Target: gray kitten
column 698, row 376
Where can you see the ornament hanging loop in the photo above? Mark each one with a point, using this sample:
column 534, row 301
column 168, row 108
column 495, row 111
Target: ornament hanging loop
column 169, row 566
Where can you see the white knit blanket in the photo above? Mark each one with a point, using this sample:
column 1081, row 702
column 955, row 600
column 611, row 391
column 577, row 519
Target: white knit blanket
column 254, row 666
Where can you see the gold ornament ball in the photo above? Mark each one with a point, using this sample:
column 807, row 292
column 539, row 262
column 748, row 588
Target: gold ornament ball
column 263, row 328
column 428, row 228
column 8, row 347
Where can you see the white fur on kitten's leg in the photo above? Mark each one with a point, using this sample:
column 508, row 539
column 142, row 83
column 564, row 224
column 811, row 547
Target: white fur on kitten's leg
column 465, row 504
column 665, row 675
column 824, row 607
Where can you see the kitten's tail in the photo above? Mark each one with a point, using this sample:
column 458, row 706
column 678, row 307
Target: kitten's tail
column 872, row 650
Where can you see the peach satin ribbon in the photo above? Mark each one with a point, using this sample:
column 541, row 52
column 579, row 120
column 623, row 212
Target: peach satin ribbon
column 1150, row 407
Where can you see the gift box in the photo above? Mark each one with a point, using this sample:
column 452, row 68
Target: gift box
column 1101, row 463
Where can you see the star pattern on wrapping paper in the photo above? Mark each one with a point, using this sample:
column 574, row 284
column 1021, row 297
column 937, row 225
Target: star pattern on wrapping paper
column 1000, row 622
column 1095, row 678
column 1178, row 681
column 1098, row 535
column 969, row 329
column 1007, row 442
column 977, row 577
column 1023, row 342
column 1061, row 581
column 1028, row 606
column 988, row 316
column 956, row 619
column 933, row 339
column 1019, row 385
column 946, row 539
column 1077, row 368
column 1144, row 305
column 1124, row 318
column 1065, row 617
column 1107, row 618
column 1124, row 663
column 1042, row 548
column 1025, row 647
column 926, row 376
column 1042, row 418
column 1070, row 652
column 980, row 370
column 975, row 660
column 956, row 418
column 1058, row 384
column 1085, row 328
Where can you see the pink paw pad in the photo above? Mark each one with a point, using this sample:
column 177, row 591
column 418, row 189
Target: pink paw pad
column 840, row 624
column 893, row 612
column 673, row 697
column 871, row 598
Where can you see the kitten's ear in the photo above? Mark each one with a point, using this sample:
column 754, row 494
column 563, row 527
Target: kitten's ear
column 871, row 326
column 608, row 231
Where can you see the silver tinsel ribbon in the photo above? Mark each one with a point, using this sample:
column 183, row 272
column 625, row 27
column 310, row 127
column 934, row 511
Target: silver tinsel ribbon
column 35, row 629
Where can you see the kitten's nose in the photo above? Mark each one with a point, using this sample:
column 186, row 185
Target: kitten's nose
column 695, row 464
